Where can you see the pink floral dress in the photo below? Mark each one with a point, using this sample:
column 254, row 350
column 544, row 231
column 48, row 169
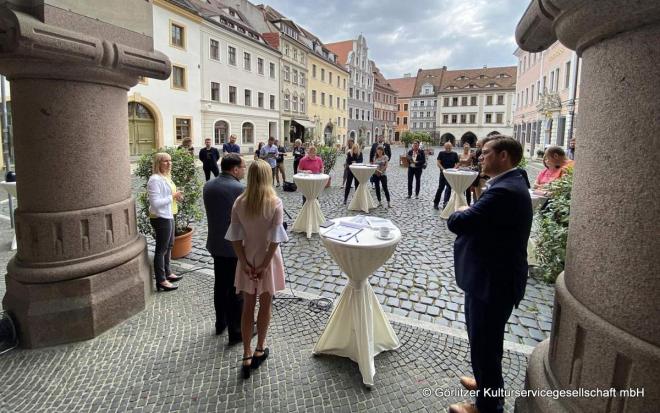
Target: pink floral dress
column 257, row 233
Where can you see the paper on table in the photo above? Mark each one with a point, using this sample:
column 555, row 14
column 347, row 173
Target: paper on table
column 377, row 222
column 358, row 221
column 341, row 232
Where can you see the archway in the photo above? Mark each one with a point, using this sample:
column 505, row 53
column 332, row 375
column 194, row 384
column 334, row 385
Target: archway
column 396, row 136
column 327, row 132
column 141, row 129
column 470, row 138
column 221, row 132
column 352, row 135
column 447, row 137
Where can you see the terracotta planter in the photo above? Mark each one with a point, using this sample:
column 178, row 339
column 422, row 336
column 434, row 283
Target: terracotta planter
column 182, row 245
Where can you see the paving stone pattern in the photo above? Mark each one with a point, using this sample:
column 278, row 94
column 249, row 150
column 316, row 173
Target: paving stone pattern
column 418, row 280
column 167, row 358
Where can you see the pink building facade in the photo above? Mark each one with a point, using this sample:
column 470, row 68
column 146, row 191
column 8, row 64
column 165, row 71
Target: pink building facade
column 547, row 95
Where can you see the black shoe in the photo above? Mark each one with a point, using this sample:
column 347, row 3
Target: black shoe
column 436, row 207
column 245, row 368
column 174, row 278
column 257, row 360
column 408, row 197
column 160, row 287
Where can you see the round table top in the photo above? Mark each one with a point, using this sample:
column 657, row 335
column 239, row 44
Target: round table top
column 458, row 172
column 311, row 177
column 362, row 166
column 367, row 238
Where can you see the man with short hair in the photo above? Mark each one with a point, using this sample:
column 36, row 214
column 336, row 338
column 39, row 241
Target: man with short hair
column 446, row 159
column 209, row 157
column 219, row 196
column 386, row 148
column 490, row 259
column 231, row 147
column 279, row 164
column 269, row 154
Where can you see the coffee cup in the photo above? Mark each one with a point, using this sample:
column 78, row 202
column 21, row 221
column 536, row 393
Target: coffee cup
column 384, row 232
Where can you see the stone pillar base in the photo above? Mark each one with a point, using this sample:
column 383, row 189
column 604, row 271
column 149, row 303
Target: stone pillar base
column 79, row 309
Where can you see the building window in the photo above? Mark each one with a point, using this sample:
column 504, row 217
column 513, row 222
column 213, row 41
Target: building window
column 368, row 115
column 330, row 100
column 248, row 133
column 215, row 91
column 473, row 118
column 294, row 77
column 247, row 61
column 337, row 102
column 414, row 125
column 350, row 113
column 286, row 49
column 454, row 101
column 179, row 77
column 248, row 97
column 362, row 110
column 287, row 99
column 498, row 117
column 314, row 97
column 272, row 102
column 405, row 120
column 286, row 73
column 350, row 92
column 260, row 99
column 182, row 128
column 421, row 103
column 532, row 89
column 302, row 104
column 552, row 80
column 294, row 103
column 344, row 83
column 260, row 65
column 463, row 118
column 322, row 75
column 405, row 107
column 302, row 79
column 231, row 51
column 489, row 118
column 322, row 98
column 232, row 94
column 473, row 101
column 343, row 104
column 464, row 101
column 177, row 36
column 567, row 75
column 272, row 70
column 454, row 118
column 214, row 50
column 314, row 71
column 489, row 100
column 329, row 77
column 500, row 99
column 556, row 79
column 398, row 120
column 445, row 118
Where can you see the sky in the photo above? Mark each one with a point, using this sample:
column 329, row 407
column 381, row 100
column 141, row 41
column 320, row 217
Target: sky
column 404, row 36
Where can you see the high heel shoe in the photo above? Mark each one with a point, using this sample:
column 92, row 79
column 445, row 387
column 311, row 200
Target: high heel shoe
column 257, row 360
column 160, row 287
column 174, row 278
column 245, row 368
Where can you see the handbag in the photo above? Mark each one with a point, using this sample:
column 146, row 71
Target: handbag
column 289, row 186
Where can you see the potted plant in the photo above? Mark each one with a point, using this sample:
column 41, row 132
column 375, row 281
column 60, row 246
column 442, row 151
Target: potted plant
column 329, row 156
column 185, row 178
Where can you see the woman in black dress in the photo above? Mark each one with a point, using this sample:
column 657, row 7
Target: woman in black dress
column 352, row 156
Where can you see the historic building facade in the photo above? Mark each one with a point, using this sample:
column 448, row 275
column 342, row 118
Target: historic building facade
column 547, row 94
column 404, row 87
column 424, row 102
column 354, row 56
column 473, row 103
column 385, row 106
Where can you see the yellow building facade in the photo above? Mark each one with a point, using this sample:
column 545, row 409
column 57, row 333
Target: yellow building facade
column 327, row 96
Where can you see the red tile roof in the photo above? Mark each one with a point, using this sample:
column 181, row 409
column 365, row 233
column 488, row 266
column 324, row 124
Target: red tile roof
column 432, row 76
column 503, row 77
column 404, row 85
column 341, row 49
column 379, row 79
column 272, row 39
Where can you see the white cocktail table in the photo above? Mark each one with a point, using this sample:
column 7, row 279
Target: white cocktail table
column 362, row 200
column 358, row 328
column 459, row 182
column 310, row 216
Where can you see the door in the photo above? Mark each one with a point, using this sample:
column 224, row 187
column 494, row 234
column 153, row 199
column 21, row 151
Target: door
column 141, row 129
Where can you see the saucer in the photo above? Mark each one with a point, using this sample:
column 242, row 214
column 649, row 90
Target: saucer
column 385, row 238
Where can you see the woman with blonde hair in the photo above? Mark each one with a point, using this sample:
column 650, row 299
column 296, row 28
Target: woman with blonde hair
column 256, row 231
column 163, row 197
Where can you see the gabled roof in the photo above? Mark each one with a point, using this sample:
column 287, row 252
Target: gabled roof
column 404, row 85
column 432, row 76
column 484, row 78
column 379, row 79
column 341, row 49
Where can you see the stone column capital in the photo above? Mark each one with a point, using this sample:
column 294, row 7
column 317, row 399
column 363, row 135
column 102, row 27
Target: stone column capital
column 32, row 49
column 579, row 24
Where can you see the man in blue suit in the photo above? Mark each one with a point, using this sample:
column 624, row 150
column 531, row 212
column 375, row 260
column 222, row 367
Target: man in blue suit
column 490, row 259
column 219, row 196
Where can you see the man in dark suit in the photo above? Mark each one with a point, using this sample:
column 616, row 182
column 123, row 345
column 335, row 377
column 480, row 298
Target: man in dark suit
column 209, row 157
column 490, row 258
column 219, row 196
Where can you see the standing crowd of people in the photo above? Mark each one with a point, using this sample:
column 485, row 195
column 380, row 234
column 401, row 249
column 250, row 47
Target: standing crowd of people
column 246, row 228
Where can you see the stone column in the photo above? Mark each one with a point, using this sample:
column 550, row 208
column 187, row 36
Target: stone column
column 605, row 332
column 81, row 267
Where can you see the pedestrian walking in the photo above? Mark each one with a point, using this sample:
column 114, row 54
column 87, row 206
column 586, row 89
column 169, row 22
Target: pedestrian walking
column 209, row 157
column 416, row 164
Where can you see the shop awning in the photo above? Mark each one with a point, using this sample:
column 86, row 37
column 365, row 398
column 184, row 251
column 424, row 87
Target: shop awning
column 305, row 123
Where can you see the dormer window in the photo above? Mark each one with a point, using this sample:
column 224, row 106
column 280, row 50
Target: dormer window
column 502, row 75
column 482, row 76
column 471, row 86
column 462, row 77
column 451, row 87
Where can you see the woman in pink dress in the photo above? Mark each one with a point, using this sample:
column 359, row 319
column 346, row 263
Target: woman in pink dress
column 256, row 231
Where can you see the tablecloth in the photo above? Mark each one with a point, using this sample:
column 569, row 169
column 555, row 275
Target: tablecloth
column 310, row 216
column 362, row 200
column 459, row 182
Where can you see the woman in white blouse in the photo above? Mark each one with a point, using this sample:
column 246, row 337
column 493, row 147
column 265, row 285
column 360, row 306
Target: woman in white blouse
column 256, row 231
column 163, row 197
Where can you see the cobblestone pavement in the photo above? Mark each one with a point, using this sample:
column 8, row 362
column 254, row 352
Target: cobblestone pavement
column 430, row 293
column 167, row 358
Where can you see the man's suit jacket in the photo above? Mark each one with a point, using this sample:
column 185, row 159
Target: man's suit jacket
column 490, row 252
column 421, row 158
column 386, row 149
column 219, row 196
